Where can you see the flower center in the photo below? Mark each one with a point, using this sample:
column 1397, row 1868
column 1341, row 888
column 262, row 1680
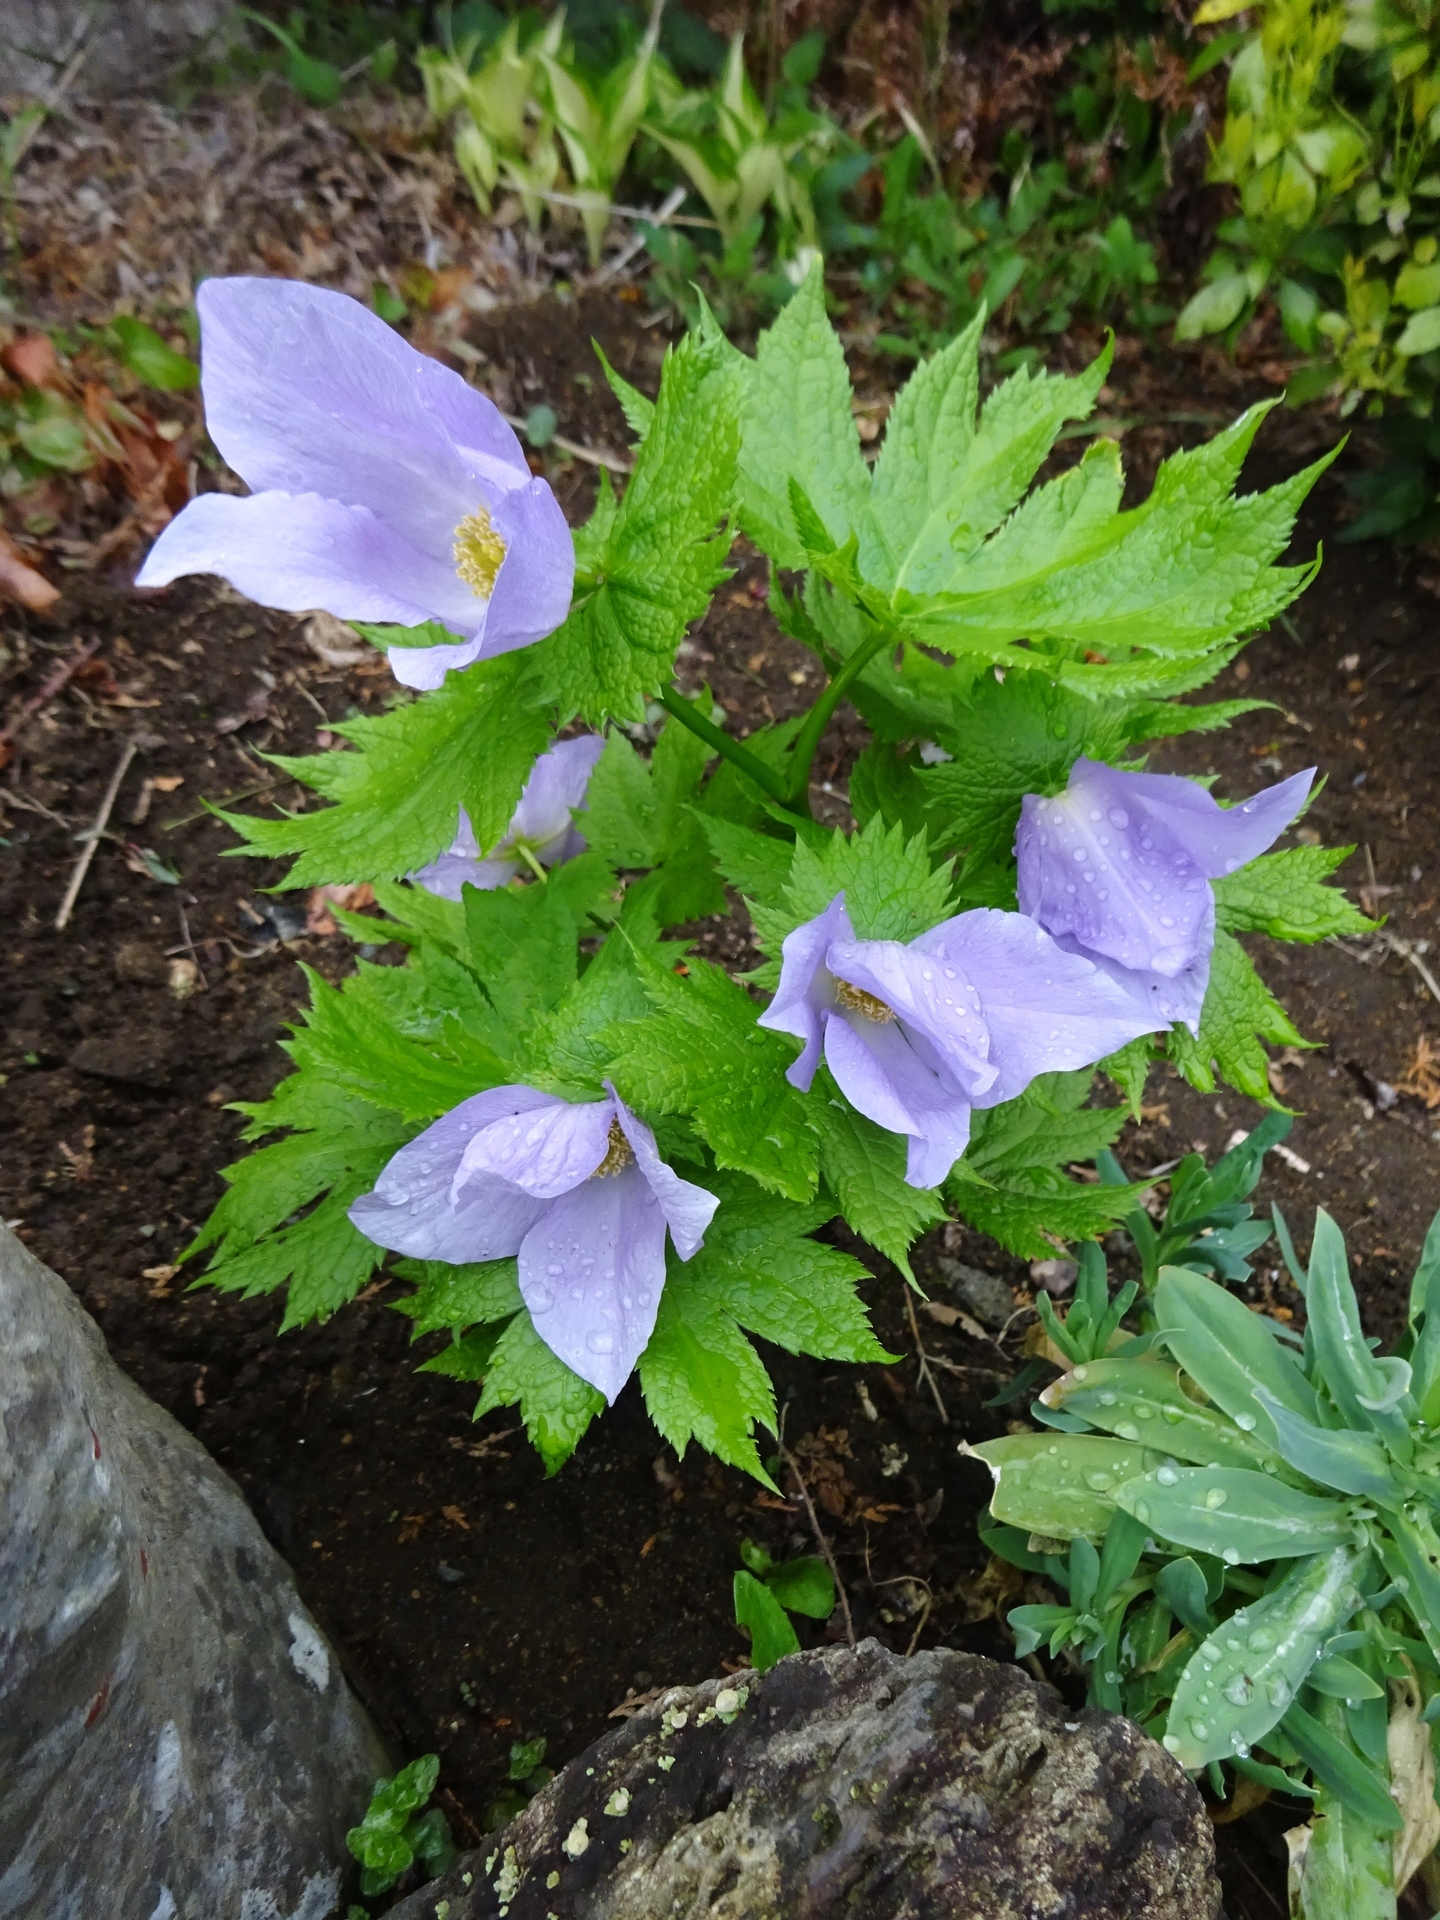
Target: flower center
column 617, row 1154
column 856, row 1000
column 478, row 551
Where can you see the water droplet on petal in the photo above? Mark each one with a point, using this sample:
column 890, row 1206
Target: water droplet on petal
column 600, row 1342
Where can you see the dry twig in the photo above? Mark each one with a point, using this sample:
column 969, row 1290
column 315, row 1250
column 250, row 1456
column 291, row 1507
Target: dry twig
column 54, row 681
column 593, row 456
column 92, row 838
column 826, row 1549
column 920, row 1354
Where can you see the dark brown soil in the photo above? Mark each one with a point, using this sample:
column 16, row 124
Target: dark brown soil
column 474, row 1602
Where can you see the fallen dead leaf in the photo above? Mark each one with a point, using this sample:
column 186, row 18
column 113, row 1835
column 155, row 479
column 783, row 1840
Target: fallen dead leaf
column 333, row 641
column 456, row 1517
column 19, row 580
column 318, row 917
column 1412, row 1779
column 634, row 1703
column 33, row 359
column 1422, row 1076
column 257, row 707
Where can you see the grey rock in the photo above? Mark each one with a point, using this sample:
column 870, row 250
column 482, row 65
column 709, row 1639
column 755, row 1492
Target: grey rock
column 176, row 1738
column 986, row 1295
column 122, row 44
column 852, row 1784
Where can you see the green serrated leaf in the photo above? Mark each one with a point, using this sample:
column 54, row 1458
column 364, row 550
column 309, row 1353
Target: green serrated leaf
column 397, row 796
column 942, row 483
column 1130, row 1068
column 1182, row 574
column 704, row 1381
column 662, row 556
column 1283, row 894
column 892, row 889
column 700, row 1053
column 864, row 1167
column 638, row 411
column 760, row 1267
column 457, row 1297
column 797, row 425
column 555, row 1404
column 1239, row 1013
column 468, row 1358
column 1007, row 741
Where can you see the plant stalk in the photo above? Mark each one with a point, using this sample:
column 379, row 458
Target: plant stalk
column 807, row 741
column 769, row 782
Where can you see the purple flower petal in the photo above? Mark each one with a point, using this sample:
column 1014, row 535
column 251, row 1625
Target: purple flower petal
column 298, row 551
column 556, row 787
column 425, row 668
column 369, row 461
column 306, row 391
column 410, row 1211
column 1109, row 877
column 545, row 1150
column 806, row 988
column 930, row 996
column 537, row 575
column 591, row 1272
column 1218, row 839
column 462, row 867
column 688, row 1209
column 1045, row 1010
column 886, row 1078
column 1159, row 1000
column 1121, row 862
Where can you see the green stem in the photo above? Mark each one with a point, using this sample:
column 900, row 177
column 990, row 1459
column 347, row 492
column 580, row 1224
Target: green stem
column 529, row 858
column 807, row 740
column 768, row 781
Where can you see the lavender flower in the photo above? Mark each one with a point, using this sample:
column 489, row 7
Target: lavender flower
column 540, row 834
column 577, row 1190
column 1118, row 869
column 385, row 488
column 963, row 1017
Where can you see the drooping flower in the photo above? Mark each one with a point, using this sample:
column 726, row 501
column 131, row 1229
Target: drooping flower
column 1118, row 868
column 577, row 1190
column 541, row 825
column 965, row 1016
column 383, row 487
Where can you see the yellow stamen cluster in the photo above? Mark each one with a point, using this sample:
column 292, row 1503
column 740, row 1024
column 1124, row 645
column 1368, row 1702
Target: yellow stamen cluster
column 856, row 1000
column 617, row 1154
column 479, row 551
